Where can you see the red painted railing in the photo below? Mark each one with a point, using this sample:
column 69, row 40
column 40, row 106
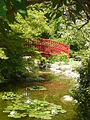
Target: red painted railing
column 48, row 47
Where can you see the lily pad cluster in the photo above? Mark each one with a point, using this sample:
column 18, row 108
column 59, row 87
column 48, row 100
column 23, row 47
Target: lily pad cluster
column 36, row 109
column 9, row 96
column 37, row 88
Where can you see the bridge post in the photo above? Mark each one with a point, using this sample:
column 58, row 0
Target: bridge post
column 68, row 51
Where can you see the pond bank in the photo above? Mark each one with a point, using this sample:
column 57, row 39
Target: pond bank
column 68, row 70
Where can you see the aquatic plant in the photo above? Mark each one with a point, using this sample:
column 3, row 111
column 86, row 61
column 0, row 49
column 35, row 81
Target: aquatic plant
column 35, row 108
column 37, row 88
column 9, row 96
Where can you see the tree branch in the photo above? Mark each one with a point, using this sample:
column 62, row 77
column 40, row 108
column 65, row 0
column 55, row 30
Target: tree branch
column 84, row 25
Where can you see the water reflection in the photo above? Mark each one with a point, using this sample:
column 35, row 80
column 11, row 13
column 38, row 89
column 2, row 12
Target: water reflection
column 26, row 96
column 55, row 91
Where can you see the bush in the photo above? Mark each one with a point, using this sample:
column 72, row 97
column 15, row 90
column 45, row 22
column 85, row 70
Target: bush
column 57, row 58
column 82, row 93
column 12, row 65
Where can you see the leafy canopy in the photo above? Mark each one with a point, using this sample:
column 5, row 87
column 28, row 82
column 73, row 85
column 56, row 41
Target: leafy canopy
column 8, row 9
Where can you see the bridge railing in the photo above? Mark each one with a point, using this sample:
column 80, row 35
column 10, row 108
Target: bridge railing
column 48, row 46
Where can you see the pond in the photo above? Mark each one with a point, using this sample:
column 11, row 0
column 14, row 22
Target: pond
column 52, row 92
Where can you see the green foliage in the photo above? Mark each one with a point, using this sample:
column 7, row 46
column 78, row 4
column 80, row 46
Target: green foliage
column 68, row 34
column 34, row 108
column 14, row 65
column 11, row 52
column 82, row 92
column 2, row 54
column 37, row 88
column 9, row 8
column 9, row 96
column 58, row 58
column 17, row 115
column 32, row 58
column 71, row 9
column 3, row 9
column 8, row 11
column 34, row 25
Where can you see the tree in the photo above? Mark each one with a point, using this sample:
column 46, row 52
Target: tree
column 11, row 49
column 8, row 9
column 73, row 8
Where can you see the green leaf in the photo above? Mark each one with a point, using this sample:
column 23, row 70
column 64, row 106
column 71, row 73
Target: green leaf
column 2, row 54
column 65, row 2
column 72, row 16
column 63, row 111
column 78, row 7
column 20, row 6
column 3, row 9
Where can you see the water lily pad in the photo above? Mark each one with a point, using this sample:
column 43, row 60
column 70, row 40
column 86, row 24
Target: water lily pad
column 8, row 109
column 46, row 117
column 23, row 114
column 19, row 106
column 42, row 115
column 63, row 111
column 37, row 88
column 17, row 115
column 36, row 108
column 9, row 96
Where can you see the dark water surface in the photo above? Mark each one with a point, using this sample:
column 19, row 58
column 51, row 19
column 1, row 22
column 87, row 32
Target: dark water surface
column 54, row 94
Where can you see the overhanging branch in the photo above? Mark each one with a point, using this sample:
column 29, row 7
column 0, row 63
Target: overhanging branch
column 84, row 25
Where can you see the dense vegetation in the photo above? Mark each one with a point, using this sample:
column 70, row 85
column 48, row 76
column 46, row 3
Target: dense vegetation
column 42, row 22
column 82, row 92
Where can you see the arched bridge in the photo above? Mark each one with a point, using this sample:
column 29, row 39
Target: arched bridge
column 48, row 47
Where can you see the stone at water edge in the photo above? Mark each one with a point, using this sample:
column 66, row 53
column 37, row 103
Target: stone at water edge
column 68, row 98
column 73, row 75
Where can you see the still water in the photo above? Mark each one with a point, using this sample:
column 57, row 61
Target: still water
column 56, row 89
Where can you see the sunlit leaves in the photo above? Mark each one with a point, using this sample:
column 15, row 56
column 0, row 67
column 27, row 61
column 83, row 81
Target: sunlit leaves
column 34, row 25
column 72, row 9
column 2, row 54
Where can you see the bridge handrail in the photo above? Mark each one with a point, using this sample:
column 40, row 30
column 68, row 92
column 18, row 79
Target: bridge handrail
column 49, row 46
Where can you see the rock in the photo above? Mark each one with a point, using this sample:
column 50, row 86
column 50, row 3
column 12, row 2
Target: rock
column 55, row 65
column 66, row 69
column 56, row 71
column 26, row 57
column 71, row 74
column 68, row 98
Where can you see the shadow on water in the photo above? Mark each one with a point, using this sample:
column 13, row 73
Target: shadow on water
column 55, row 90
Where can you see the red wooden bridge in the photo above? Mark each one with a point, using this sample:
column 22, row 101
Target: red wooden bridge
column 48, row 47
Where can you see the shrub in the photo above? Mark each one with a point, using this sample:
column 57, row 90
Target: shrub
column 13, row 66
column 57, row 58
column 82, row 92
